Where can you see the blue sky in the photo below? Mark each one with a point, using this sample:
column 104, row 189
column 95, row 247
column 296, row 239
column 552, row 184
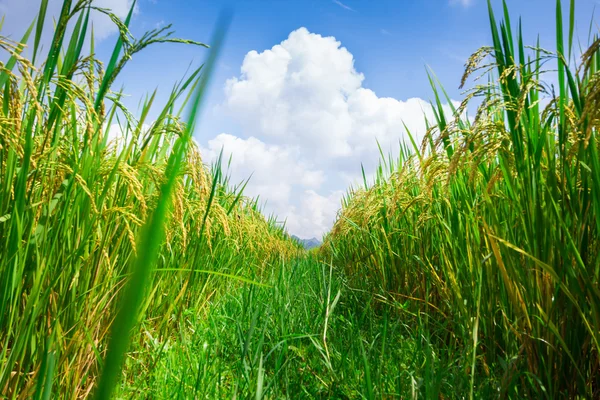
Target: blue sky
column 303, row 108
column 392, row 40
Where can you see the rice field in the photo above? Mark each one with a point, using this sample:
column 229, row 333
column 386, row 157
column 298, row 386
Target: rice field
column 468, row 267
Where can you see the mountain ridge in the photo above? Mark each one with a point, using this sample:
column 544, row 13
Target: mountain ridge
column 307, row 243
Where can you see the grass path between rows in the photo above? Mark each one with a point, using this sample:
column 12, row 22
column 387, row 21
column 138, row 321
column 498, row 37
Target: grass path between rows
column 305, row 335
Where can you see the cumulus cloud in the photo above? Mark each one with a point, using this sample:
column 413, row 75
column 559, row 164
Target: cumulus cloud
column 306, row 92
column 307, row 125
column 20, row 13
column 315, row 215
column 275, row 169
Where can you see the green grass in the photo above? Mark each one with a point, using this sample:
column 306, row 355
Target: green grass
column 470, row 267
column 306, row 335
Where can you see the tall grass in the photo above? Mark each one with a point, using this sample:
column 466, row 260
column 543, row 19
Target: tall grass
column 97, row 234
column 489, row 229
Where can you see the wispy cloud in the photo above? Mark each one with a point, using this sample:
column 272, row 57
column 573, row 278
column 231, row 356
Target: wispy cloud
column 463, row 3
column 345, row 7
column 385, row 32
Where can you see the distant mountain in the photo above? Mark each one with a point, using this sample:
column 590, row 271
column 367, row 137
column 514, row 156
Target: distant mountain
column 307, row 243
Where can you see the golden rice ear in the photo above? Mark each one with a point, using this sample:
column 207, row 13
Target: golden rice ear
column 474, row 64
column 591, row 111
column 588, row 58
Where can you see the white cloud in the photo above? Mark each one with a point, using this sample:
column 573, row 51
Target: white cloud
column 304, row 113
column 20, row 13
column 297, row 91
column 315, row 215
column 306, row 92
column 275, row 169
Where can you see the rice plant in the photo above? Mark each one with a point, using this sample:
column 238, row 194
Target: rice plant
column 98, row 234
column 469, row 267
column 491, row 225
